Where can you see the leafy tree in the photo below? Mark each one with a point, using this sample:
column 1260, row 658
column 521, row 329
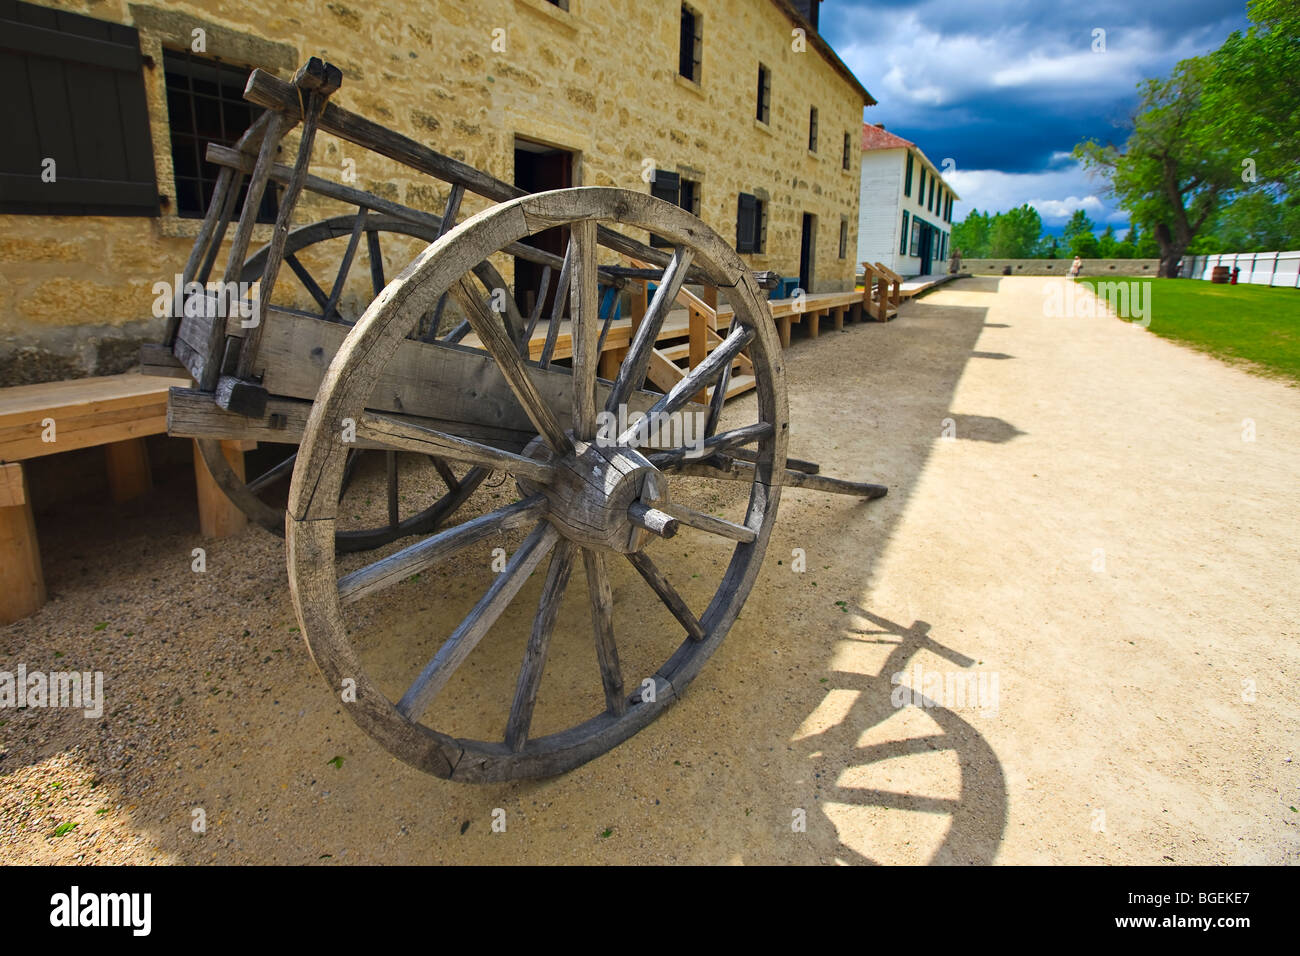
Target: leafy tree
column 1108, row 245
column 1172, row 173
column 1216, row 127
column 1252, row 95
column 1015, row 233
column 1085, row 246
column 1079, row 223
column 973, row 235
column 1255, row 222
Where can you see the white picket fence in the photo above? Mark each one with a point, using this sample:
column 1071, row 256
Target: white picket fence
column 1257, row 268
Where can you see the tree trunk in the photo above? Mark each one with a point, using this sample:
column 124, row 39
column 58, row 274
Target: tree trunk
column 1171, row 253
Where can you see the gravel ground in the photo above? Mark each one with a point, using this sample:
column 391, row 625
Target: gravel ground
column 1095, row 541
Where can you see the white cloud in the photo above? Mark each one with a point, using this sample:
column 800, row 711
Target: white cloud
column 1055, row 193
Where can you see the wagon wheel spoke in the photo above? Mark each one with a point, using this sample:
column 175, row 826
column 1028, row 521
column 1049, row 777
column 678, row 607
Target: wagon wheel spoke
column 631, row 375
column 405, row 436
column 376, row 257
column 602, row 623
column 393, row 517
column 272, row 475
column 714, row 445
column 696, row 380
column 349, row 471
column 492, row 334
column 477, row 623
column 557, row 308
column 543, row 287
column 585, row 307
column 445, row 473
column 437, row 548
column 530, row 673
column 345, row 266
column 312, row 286
column 719, row 397
column 667, row 593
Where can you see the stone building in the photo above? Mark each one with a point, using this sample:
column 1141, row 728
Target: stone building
column 739, row 108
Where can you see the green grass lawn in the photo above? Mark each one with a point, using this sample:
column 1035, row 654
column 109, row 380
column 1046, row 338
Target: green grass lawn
column 1257, row 325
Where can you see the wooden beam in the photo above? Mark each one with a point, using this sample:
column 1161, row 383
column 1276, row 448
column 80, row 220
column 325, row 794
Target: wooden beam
column 128, row 469
column 22, row 586
column 218, row 516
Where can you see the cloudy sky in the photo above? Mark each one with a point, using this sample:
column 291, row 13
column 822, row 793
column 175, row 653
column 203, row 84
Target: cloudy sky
column 1005, row 88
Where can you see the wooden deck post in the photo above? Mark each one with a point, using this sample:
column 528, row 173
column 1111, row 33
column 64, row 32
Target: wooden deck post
column 128, row 469
column 218, row 516
column 22, row 586
column 783, row 327
column 698, row 344
column 814, row 323
column 837, row 315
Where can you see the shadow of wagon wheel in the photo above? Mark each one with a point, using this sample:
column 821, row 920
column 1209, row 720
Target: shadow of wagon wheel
column 919, row 783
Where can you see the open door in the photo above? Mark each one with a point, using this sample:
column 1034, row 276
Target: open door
column 807, row 252
column 539, row 167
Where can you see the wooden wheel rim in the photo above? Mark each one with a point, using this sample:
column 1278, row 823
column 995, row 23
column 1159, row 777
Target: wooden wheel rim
column 237, row 489
column 372, row 343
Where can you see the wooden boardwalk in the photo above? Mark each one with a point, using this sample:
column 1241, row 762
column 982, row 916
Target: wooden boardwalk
column 690, row 333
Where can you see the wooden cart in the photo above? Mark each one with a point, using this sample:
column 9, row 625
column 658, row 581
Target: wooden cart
column 438, row 366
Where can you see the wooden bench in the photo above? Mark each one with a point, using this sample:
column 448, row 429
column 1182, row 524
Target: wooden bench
column 884, row 285
column 116, row 411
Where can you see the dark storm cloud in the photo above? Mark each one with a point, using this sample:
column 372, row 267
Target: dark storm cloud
column 1010, row 85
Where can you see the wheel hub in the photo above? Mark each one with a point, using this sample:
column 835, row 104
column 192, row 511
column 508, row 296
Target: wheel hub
column 596, row 489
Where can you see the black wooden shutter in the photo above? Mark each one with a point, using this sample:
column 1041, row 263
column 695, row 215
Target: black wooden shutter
column 747, row 223
column 74, row 93
column 666, row 186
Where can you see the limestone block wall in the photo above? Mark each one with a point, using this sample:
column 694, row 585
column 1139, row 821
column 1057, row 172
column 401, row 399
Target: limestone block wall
column 599, row 79
column 1060, row 267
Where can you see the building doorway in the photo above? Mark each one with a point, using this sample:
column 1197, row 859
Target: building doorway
column 807, row 252
column 927, row 248
column 539, row 167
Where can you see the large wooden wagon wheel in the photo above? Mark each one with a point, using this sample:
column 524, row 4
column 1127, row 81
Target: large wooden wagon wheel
column 338, row 240
column 602, row 502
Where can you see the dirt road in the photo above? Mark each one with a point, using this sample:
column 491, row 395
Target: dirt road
column 1077, row 527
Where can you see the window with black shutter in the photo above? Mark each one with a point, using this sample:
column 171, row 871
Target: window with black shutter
column 848, row 145
column 665, row 186
column 205, row 104
column 688, row 57
column 920, row 194
column 930, row 204
column 690, row 197
column 764, row 112
column 812, row 129
column 671, row 187
column 76, row 127
column 844, row 237
column 902, row 246
column 749, row 223
column 907, row 181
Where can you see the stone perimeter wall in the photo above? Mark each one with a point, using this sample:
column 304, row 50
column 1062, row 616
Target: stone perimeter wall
column 601, row 79
column 1060, row 267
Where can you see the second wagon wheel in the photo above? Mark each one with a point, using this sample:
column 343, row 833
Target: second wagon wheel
column 594, row 508
column 338, row 241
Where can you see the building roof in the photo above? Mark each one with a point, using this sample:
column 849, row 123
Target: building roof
column 824, row 48
column 877, row 137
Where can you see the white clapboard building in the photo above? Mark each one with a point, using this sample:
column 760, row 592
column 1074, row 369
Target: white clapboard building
column 905, row 213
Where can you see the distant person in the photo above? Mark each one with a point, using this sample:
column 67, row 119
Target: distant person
column 954, row 264
column 1076, row 267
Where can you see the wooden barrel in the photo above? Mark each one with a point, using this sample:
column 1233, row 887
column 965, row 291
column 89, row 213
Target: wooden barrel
column 1220, row 274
